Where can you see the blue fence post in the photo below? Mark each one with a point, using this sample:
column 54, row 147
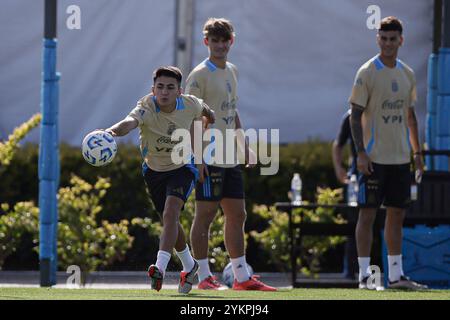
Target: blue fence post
column 443, row 107
column 48, row 166
column 430, row 125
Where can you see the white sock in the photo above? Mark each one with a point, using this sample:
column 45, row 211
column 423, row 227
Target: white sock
column 203, row 269
column 186, row 259
column 364, row 263
column 162, row 260
column 240, row 270
column 395, row 267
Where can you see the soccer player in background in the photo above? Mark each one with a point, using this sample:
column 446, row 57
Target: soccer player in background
column 158, row 115
column 215, row 81
column 382, row 120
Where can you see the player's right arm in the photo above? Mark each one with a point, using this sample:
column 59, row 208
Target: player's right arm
column 359, row 99
column 201, row 166
column 339, row 170
column 123, row 127
column 337, row 150
column 243, row 145
column 364, row 164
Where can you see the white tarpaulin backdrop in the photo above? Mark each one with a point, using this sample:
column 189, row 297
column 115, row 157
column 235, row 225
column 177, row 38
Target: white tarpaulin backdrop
column 296, row 59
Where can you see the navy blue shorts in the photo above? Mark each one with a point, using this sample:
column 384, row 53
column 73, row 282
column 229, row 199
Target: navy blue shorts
column 221, row 183
column 178, row 183
column 389, row 185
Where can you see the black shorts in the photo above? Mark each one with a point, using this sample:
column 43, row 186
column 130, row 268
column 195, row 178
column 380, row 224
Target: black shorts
column 178, row 183
column 221, row 183
column 389, row 185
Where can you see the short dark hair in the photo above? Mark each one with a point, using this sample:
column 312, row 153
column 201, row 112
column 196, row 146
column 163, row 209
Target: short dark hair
column 391, row 24
column 168, row 71
column 218, row 27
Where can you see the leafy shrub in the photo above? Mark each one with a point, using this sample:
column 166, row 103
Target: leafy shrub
column 81, row 240
column 9, row 148
column 127, row 198
column 21, row 219
column 275, row 238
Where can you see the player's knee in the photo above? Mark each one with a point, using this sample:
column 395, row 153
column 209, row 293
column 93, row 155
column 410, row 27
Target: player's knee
column 203, row 219
column 237, row 219
column 171, row 214
column 396, row 212
column 396, row 216
column 367, row 217
column 201, row 225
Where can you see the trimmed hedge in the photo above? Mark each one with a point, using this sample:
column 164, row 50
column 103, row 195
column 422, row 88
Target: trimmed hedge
column 127, row 198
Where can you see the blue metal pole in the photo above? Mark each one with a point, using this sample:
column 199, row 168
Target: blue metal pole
column 49, row 152
column 431, row 118
column 443, row 100
column 432, row 85
column 443, row 107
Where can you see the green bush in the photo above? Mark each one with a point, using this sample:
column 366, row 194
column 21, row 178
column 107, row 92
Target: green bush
column 81, row 240
column 311, row 159
column 127, row 198
column 9, row 148
column 18, row 178
column 23, row 218
column 275, row 238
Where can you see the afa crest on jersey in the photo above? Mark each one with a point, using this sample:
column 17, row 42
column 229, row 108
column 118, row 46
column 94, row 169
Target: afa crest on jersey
column 171, row 128
column 394, row 86
column 228, row 86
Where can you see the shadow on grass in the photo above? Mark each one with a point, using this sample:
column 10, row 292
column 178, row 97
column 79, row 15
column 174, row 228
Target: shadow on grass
column 199, row 296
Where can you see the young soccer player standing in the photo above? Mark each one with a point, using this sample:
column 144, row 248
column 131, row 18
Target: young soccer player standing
column 382, row 120
column 215, row 81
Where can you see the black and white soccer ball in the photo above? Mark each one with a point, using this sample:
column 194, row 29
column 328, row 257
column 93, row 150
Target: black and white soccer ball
column 99, row 148
column 228, row 276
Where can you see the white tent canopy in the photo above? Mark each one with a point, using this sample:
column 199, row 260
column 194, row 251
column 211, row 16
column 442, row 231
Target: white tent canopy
column 296, row 59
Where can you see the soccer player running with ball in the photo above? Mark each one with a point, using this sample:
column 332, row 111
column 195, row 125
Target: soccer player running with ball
column 382, row 121
column 158, row 115
column 215, row 81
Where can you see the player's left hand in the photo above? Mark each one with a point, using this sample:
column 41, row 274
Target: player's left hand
column 250, row 158
column 208, row 113
column 211, row 116
column 418, row 164
column 203, row 172
column 107, row 131
column 341, row 175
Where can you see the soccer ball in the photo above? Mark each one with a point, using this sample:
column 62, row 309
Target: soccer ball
column 99, row 148
column 228, row 276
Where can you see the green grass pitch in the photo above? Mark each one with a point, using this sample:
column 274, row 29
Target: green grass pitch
column 282, row 294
